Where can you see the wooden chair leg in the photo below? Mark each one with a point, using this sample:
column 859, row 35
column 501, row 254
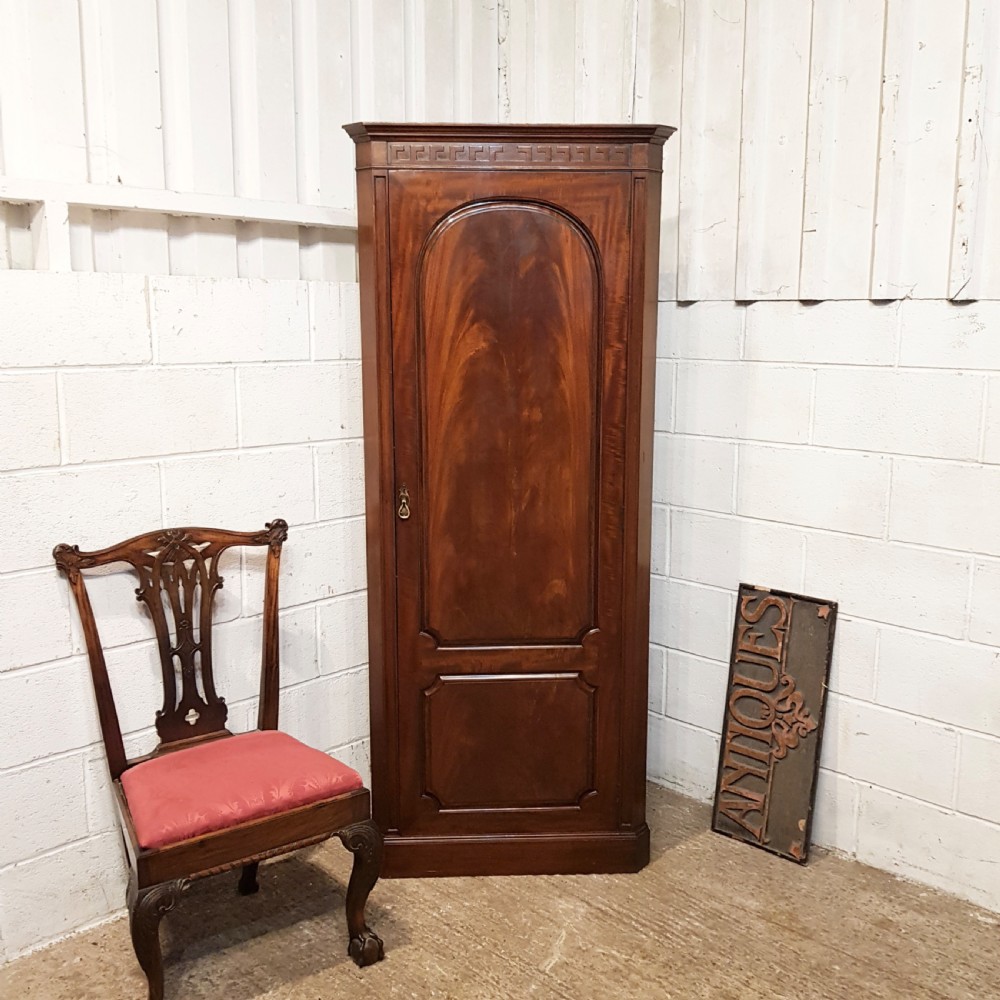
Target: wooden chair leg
column 248, row 879
column 145, row 909
column 364, row 841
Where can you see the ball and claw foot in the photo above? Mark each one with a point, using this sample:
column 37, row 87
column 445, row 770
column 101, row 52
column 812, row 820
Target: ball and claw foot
column 364, row 841
column 366, row 949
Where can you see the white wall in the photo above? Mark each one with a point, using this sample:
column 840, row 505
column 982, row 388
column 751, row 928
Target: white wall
column 848, row 449
column 131, row 402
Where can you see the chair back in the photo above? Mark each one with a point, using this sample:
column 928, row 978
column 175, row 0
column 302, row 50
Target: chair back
column 178, row 577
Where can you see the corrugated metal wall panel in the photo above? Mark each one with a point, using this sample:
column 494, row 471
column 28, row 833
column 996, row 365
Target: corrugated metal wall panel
column 709, row 148
column 198, row 124
column 474, row 61
column 773, row 148
column 845, row 86
column 921, row 103
column 660, row 36
column 41, row 83
column 379, row 61
column 605, row 60
column 975, row 257
column 547, row 77
column 798, row 172
column 121, row 90
column 568, row 61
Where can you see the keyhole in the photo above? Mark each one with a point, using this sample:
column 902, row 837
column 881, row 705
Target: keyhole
column 192, row 717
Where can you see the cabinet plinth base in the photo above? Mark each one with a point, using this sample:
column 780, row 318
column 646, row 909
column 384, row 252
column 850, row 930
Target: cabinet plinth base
column 516, row 854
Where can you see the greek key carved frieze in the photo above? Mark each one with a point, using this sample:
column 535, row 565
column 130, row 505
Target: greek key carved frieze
column 430, row 153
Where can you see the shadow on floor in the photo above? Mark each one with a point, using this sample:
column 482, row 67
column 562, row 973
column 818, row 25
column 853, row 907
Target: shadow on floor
column 710, row 918
column 293, row 928
column 671, row 827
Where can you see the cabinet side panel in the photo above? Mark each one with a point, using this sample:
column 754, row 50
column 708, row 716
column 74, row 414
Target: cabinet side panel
column 639, row 490
column 376, row 373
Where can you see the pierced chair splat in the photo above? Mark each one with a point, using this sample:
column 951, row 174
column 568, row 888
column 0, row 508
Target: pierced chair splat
column 205, row 800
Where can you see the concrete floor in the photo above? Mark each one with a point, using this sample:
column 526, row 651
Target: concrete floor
column 708, row 918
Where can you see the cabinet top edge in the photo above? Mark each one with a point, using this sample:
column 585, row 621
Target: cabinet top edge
column 471, row 132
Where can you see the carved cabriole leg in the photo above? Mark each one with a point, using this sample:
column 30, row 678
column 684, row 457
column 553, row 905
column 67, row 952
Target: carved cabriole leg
column 145, row 909
column 248, row 880
column 364, row 841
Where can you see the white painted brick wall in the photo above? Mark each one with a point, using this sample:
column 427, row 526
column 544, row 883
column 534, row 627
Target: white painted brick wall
column 849, row 450
column 335, row 320
column 694, row 472
column 991, row 438
column 246, row 487
column 941, row 847
column 978, row 767
column 843, row 491
column 922, row 588
column 945, row 504
column 890, row 749
column 660, row 541
column 70, row 726
column 73, row 319
column 720, row 551
column 944, row 335
column 28, row 402
column 955, row 683
column 199, row 320
column 343, row 630
column 66, row 502
column 46, row 801
column 843, row 449
column 128, row 404
column 762, row 402
column 984, row 625
column 340, row 479
column 851, row 333
column 59, row 891
column 835, row 812
column 935, row 414
column 309, row 402
column 137, row 413
column 855, row 651
column 682, row 756
column 695, row 689
column 707, row 331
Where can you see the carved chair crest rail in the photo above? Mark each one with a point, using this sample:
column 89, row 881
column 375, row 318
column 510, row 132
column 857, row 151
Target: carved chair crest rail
column 206, row 800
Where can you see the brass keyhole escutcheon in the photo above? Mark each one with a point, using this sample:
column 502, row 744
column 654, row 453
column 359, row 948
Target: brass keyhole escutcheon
column 404, row 504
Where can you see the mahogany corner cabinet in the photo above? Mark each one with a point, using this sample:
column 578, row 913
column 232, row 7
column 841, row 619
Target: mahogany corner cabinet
column 508, row 317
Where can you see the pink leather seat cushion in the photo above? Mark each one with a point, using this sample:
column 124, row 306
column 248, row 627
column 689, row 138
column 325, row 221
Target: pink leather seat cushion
column 226, row 782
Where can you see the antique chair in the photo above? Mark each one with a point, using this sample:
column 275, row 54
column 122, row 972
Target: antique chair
column 206, row 801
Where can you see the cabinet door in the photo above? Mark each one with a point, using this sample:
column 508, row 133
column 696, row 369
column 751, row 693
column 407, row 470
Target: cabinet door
column 508, row 301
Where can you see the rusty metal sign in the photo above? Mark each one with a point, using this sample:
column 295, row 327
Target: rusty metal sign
column 774, row 719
